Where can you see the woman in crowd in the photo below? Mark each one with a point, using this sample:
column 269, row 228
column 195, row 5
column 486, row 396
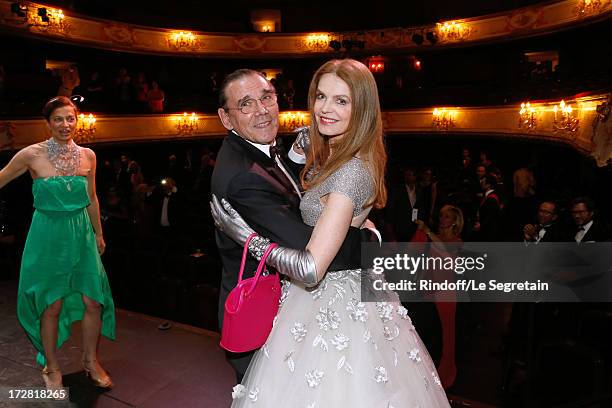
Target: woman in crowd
column 445, row 243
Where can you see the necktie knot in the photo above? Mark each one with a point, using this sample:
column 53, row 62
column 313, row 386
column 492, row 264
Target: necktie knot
column 276, row 151
column 273, row 152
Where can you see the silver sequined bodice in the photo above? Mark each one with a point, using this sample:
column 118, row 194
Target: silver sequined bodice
column 353, row 179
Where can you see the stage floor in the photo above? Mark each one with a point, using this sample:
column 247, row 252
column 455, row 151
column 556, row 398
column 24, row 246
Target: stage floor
column 179, row 367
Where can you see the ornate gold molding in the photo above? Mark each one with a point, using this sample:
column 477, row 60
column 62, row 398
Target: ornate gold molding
column 92, row 32
column 493, row 122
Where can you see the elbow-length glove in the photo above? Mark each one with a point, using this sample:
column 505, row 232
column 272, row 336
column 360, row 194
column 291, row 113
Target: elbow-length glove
column 297, row 264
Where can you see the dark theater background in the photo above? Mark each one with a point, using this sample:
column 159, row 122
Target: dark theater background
column 513, row 91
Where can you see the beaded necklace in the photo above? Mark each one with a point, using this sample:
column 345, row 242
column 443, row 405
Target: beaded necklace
column 65, row 158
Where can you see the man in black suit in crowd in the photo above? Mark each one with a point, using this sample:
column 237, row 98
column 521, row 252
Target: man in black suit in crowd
column 406, row 204
column 547, row 229
column 488, row 226
column 587, row 228
column 259, row 186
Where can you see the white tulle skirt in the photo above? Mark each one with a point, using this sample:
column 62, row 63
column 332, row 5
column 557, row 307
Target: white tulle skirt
column 330, row 350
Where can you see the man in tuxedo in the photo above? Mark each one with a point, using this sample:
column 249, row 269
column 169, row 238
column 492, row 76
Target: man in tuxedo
column 406, row 204
column 587, row 228
column 489, row 213
column 259, row 184
column 547, row 229
column 168, row 208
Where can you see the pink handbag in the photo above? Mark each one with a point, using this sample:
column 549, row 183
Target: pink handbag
column 250, row 307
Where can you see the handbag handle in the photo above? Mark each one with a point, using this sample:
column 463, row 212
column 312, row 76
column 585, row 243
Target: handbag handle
column 262, row 262
column 244, row 255
column 261, row 266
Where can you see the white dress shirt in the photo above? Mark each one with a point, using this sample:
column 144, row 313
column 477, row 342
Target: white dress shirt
column 583, row 231
column 265, row 148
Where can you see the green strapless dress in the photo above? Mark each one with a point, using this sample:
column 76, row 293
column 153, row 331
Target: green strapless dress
column 61, row 261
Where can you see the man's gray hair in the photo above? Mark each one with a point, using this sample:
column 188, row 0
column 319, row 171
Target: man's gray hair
column 234, row 76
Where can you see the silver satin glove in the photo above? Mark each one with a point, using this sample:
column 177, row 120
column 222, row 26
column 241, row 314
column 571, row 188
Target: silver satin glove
column 230, row 222
column 297, row 264
column 303, row 139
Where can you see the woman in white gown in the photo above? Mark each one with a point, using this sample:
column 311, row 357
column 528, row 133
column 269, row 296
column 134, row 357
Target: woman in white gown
column 327, row 348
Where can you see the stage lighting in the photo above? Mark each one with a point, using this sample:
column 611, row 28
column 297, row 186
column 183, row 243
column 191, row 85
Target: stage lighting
column 431, row 37
column 417, row 38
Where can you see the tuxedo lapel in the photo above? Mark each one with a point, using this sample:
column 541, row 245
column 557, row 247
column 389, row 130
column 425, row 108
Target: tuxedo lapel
column 264, row 165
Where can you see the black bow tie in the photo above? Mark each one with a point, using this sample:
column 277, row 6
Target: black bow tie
column 275, row 151
column 581, row 228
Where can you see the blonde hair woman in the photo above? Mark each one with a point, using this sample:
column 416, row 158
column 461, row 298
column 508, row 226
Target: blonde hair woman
column 445, row 243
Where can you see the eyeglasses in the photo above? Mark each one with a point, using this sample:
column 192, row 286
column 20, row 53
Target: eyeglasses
column 249, row 106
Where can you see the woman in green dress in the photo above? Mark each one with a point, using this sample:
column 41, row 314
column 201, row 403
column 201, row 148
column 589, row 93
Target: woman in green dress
column 62, row 279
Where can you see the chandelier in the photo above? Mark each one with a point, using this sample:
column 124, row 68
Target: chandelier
column 453, row 31
column 317, row 41
column 292, row 120
column 527, row 117
column 564, row 119
column 444, row 119
column 187, row 124
column 182, row 40
column 590, row 7
column 86, row 128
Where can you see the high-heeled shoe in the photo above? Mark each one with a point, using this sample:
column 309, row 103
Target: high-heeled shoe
column 103, row 381
column 53, row 385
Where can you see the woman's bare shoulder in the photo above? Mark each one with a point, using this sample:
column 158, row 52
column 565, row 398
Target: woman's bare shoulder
column 32, row 151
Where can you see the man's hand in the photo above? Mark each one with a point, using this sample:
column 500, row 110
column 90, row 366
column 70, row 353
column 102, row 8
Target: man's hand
column 530, row 232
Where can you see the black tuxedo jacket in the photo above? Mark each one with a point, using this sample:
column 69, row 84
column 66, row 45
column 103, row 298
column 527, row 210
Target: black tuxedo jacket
column 251, row 182
column 398, row 215
column 556, row 233
column 176, row 207
column 597, row 233
column 489, row 215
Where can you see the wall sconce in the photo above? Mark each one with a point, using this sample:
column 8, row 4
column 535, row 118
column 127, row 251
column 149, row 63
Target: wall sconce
column 292, row 120
column 47, row 18
column 182, row 40
column 444, row 119
column 527, row 117
column 564, row 119
column 86, row 128
column 187, row 124
column 590, row 7
column 453, row 31
column 317, row 42
column 376, row 65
